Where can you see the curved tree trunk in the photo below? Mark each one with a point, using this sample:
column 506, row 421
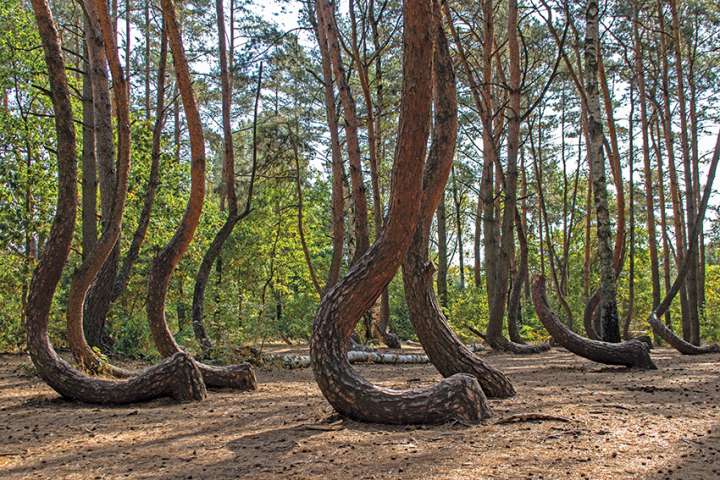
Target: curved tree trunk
column 228, row 193
column 101, row 51
column 447, row 353
column 235, row 376
column 458, row 397
column 215, row 248
column 632, row 353
column 178, row 376
column 686, row 348
column 683, row 346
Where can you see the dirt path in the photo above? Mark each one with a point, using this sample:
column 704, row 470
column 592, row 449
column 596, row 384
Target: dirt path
column 622, row 425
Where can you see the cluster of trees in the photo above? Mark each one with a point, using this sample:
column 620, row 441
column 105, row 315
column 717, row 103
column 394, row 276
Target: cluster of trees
column 285, row 175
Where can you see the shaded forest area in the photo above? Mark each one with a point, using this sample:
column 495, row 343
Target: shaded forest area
column 426, row 238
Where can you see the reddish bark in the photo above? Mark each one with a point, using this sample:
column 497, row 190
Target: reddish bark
column 178, row 376
column 235, row 376
column 458, row 397
column 447, row 353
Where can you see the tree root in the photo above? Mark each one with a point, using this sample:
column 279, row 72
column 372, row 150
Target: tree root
column 530, row 417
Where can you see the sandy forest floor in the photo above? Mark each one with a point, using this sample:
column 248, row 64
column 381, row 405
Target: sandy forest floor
column 622, row 425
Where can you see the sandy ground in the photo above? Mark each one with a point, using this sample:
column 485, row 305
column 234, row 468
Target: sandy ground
column 622, row 425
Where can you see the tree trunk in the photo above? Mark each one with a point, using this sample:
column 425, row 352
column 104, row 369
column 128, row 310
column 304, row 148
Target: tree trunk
column 236, row 376
column 632, row 353
column 123, row 276
column 631, row 166
column 459, row 229
column 442, row 253
column 326, row 22
column 447, row 353
column 89, row 175
column 228, row 169
column 101, row 51
column 664, row 225
column 690, row 194
column 647, row 169
column 338, row 208
column 382, row 323
column 178, row 376
column 608, row 287
column 97, row 303
column 459, row 397
column 685, row 347
column 499, row 260
column 675, row 197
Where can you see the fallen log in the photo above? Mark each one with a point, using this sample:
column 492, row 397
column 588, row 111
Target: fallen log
column 293, row 361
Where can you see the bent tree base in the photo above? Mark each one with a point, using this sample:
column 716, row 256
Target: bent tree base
column 457, row 398
column 686, row 348
column 446, row 352
column 177, row 377
column 502, row 344
column 632, row 353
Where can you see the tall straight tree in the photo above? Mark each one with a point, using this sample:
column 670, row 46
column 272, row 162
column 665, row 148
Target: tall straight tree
column 647, row 169
column 326, row 22
column 337, row 169
column 608, row 286
column 689, row 172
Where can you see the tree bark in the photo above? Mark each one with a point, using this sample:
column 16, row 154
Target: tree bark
column 123, row 276
column 101, row 48
column 326, row 22
column 459, row 397
column 89, row 162
column 499, row 261
column 447, row 353
column 233, row 217
column 647, row 169
column 683, row 346
column 631, row 165
column 632, row 353
column 97, row 303
column 338, row 207
column 235, row 376
column 442, row 287
column 458, row 229
column 608, row 287
column 693, row 320
column 675, row 197
column 178, row 376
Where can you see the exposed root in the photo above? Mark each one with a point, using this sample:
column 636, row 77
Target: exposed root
column 531, row 417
